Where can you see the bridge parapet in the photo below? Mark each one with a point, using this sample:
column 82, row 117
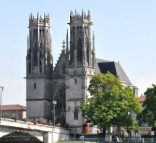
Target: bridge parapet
column 48, row 133
column 32, row 126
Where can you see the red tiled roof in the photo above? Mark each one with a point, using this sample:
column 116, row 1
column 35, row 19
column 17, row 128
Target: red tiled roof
column 13, row 107
column 141, row 98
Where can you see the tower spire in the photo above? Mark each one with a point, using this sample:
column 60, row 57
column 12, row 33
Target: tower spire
column 63, row 45
column 71, row 13
column 93, row 42
column 37, row 15
column 75, row 12
column 93, row 51
column 89, row 14
column 82, row 14
column 67, row 48
column 28, row 42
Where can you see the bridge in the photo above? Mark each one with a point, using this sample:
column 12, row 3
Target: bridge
column 44, row 133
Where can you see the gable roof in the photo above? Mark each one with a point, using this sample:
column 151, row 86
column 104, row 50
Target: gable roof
column 103, row 66
column 98, row 71
column 13, row 107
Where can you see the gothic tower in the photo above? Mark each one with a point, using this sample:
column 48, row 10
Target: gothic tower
column 39, row 68
column 80, row 69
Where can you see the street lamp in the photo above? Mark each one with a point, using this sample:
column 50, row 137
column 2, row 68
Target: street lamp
column 1, row 91
column 54, row 104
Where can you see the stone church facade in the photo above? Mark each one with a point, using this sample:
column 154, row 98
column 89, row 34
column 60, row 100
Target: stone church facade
column 67, row 82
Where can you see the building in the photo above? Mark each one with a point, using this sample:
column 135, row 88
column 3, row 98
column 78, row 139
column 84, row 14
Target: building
column 141, row 99
column 17, row 112
column 68, row 81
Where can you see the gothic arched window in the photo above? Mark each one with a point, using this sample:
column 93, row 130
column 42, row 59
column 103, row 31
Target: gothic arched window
column 29, row 68
column 73, row 32
column 41, row 45
column 35, row 56
column 35, row 34
column 40, row 66
column 76, row 114
column 87, row 45
column 35, row 86
column 79, row 50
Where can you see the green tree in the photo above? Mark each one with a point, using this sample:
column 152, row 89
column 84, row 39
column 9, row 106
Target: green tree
column 110, row 103
column 148, row 114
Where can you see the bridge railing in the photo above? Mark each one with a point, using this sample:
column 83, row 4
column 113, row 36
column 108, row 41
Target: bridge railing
column 31, row 126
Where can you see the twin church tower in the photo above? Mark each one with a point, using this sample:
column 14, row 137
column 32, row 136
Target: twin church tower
column 67, row 82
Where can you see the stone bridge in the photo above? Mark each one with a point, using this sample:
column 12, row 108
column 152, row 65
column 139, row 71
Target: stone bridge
column 45, row 133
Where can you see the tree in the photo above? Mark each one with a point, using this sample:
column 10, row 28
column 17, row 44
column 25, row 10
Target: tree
column 110, row 103
column 148, row 114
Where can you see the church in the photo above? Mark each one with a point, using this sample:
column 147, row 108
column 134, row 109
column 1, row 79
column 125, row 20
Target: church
column 67, row 82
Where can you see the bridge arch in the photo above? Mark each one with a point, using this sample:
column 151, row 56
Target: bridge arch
column 19, row 137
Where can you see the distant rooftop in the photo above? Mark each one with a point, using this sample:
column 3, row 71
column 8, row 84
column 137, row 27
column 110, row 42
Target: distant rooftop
column 142, row 98
column 13, row 107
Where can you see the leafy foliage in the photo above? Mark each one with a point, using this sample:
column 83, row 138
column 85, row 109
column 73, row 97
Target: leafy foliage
column 110, row 103
column 148, row 114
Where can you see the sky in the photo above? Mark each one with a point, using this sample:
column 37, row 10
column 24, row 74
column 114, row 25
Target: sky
column 125, row 31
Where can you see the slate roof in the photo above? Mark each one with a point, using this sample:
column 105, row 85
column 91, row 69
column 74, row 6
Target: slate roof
column 103, row 66
column 13, row 107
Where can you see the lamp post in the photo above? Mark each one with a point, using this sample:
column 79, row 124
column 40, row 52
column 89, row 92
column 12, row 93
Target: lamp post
column 54, row 105
column 1, row 91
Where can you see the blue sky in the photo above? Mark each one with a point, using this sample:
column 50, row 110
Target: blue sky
column 125, row 31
